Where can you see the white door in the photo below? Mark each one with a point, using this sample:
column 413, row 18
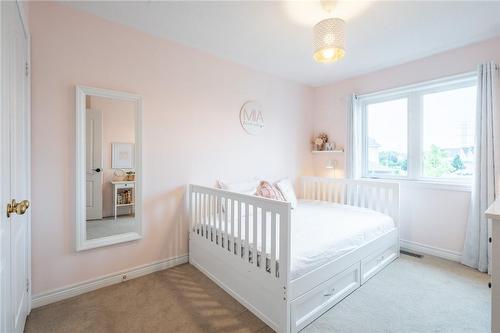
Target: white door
column 15, row 170
column 93, row 162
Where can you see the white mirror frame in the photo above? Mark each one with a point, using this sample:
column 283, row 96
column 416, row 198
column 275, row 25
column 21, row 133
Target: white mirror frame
column 80, row 223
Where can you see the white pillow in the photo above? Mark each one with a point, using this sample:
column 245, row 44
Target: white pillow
column 286, row 188
column 248, row 187
column 244, row 187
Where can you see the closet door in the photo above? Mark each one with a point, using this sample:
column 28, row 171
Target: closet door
column 15, row 170
column 5, row 320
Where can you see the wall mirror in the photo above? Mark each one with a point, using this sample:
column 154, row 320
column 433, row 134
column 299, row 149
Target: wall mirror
column 108, row 167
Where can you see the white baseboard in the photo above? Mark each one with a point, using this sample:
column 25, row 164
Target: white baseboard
column 430, row 250
column 103, row 281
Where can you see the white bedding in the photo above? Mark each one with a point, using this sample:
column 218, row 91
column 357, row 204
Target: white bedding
column 323, row 231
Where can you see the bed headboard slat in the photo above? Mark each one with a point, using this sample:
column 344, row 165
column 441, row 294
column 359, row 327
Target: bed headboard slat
column 381, row 196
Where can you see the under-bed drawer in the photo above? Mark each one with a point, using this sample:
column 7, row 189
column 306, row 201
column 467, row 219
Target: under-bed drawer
column 374, row 263
column 311, row 305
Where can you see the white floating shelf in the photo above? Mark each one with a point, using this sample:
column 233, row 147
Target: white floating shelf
column 327, row 151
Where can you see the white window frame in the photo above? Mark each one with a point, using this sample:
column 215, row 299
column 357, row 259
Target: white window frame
column 414, row 95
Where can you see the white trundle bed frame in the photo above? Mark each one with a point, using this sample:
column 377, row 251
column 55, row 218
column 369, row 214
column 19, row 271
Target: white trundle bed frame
column 264, row 285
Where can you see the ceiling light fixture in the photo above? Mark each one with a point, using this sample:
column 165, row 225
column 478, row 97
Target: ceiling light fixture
column 329, row 37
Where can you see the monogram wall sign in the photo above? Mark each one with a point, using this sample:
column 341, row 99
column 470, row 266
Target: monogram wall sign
column 252, row 118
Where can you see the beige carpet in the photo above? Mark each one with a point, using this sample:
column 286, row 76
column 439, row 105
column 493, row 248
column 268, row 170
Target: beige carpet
column 411, row 295
column 180, row 299
column 109, row 226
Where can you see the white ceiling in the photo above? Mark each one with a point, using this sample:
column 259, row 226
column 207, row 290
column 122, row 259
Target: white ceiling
column 276, row 37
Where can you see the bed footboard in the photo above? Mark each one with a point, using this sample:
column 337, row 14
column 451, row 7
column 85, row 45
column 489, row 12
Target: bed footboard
column 242, row 243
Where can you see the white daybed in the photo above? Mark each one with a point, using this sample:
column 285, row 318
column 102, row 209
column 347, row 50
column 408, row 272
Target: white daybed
column 341, row 233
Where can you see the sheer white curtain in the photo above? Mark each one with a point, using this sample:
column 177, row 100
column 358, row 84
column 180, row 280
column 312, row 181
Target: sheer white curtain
column 477, row 250
column 353, row 142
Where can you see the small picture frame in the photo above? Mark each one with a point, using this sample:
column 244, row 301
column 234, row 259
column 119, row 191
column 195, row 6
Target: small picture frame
column 122, row 155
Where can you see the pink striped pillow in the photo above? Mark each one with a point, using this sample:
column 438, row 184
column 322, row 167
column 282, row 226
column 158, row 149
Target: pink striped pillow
column 267, row 190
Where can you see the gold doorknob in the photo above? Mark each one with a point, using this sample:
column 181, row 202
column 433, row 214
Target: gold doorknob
column 17, row 207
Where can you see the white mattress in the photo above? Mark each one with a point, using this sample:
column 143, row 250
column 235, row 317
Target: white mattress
column 323, row 231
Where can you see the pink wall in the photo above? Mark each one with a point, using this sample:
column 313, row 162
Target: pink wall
column 191, row 134
column 431, row 218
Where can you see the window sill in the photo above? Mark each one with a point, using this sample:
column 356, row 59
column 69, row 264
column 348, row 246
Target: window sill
column 427, row 184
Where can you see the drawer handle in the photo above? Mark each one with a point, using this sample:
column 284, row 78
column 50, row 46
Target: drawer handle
column 330, row 293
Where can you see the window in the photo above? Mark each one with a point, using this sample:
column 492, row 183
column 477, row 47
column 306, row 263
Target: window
column 448, row 133
column 423, row 132
column 387, row 144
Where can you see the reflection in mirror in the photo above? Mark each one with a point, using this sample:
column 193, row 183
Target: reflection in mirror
column 111, row 170
column 110, row 166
